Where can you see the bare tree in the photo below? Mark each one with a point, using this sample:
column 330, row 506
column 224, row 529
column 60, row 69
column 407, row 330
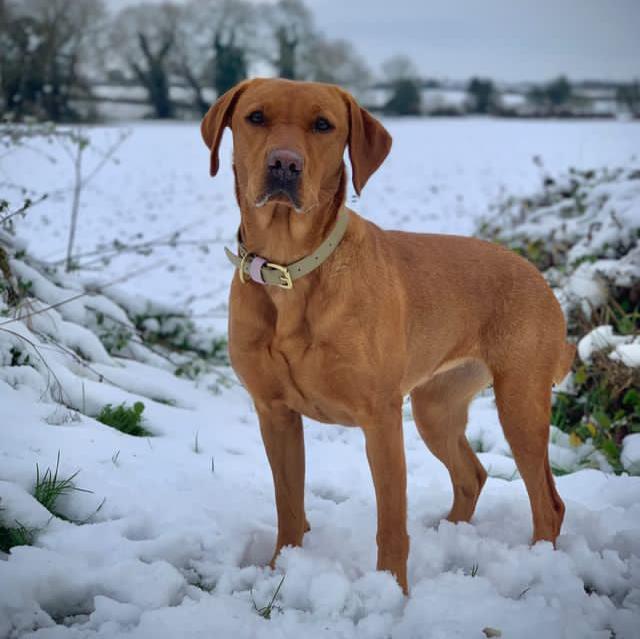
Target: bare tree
column 399, row 67
column 291, row 24
column 553, row 97
column 403, row 78
column 230, row 63
column 628, row 96
column 192, row 59
column 213, row 46
column 144, row 37
column 235, row 29
column 483, row 96
column 46, row 45
column 337, row 62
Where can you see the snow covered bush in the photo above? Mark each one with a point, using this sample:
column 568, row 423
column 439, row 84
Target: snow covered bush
column 60, row 333
column 582, row 230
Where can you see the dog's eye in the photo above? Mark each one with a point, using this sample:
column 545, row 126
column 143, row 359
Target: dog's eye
column 322, row 125
column 256, row 117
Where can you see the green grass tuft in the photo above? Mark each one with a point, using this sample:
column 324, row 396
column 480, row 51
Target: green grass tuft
column 49, row 487
column 17, row 535
column 126, row 419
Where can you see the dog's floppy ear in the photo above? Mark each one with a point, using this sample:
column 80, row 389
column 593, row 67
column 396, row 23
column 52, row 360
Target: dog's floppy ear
column 216, row 119
column 369, row 143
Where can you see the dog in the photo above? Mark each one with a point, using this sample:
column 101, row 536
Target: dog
column 334, row 318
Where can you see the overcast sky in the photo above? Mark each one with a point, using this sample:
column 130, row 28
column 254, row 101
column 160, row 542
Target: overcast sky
column 504, row 39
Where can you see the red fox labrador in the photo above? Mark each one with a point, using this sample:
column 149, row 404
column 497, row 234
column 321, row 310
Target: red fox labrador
column 334, row 318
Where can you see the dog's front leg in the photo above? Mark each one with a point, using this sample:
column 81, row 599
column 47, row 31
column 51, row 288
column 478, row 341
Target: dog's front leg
column 385, row 452
column 281, row 430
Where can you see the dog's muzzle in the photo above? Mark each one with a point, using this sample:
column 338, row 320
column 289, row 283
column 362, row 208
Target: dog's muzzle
column 284, row 171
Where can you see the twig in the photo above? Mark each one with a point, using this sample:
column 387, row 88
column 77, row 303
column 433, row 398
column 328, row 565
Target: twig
column 83, row 294
column 115, row 248
column 27, row 205
column 65, row 350
column 81, row 522
column 112, row 253
column 44, row 361
column 75, row 205
column 106, row 156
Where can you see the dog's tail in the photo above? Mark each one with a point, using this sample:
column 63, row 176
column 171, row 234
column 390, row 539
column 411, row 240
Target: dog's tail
column 563, row 365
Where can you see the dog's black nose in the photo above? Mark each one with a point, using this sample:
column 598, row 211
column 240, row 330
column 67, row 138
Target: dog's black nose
column 285, row 164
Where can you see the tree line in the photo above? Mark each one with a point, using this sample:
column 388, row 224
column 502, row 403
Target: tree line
column 53, row 52
column 556, row 98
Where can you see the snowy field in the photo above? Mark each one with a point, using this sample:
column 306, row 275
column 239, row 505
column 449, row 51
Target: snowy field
column 441, row 174
column 179, row 546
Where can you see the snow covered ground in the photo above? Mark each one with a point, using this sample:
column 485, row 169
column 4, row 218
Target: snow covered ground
column 188, row 522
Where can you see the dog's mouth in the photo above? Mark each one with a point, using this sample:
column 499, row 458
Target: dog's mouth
column 281, row 190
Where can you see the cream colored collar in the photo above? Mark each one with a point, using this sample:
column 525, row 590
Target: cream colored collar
column 261, row 271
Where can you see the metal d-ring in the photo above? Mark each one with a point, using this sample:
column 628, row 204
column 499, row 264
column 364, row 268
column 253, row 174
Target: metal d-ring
column 241, row 267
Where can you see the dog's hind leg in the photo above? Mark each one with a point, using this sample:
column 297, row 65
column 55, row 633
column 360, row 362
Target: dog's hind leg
column 523, row 397
column 440, row 409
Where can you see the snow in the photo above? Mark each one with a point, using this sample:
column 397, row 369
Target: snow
column 601, row 337
column 179, row 546
column 584, row 290
column 628, row 354
column 631, row 453
column 622, row 348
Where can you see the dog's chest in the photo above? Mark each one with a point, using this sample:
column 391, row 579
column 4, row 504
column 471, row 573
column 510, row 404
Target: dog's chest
column 309, row 369
column 304, row 362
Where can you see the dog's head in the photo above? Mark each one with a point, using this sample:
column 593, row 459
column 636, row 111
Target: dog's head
column 289, row 140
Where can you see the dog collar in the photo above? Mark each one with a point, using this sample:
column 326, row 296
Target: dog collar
column 260, row 270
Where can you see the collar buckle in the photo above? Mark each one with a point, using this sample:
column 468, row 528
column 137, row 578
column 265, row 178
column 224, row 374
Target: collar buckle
column 285, row 275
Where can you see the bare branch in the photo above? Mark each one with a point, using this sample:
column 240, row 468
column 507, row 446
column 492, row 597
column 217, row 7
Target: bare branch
column 23, row 209
column 93, row 291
